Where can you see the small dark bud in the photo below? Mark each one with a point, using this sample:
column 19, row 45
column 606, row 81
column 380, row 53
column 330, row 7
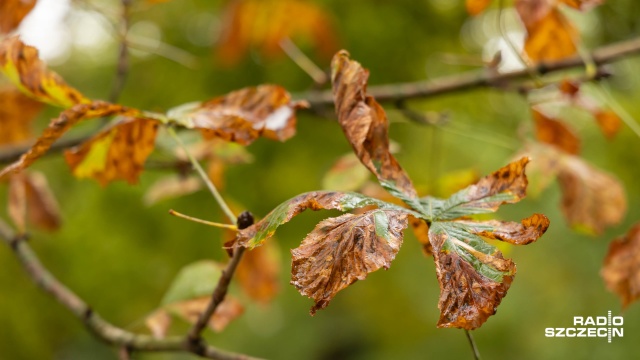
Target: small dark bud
column 244, row 220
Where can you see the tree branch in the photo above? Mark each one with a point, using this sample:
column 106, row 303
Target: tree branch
column 478, row 79
column 99, row 327
column 123, row 54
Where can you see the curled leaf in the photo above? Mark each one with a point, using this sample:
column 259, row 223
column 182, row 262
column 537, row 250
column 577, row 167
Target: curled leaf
column 60, row 125
column 117, row 153
column 621, row 268
column 365, row 125
column 12, row 12
column 16, row 115
column 342, row 250
column 554, row 132
column 244, row 115
column 21, row 64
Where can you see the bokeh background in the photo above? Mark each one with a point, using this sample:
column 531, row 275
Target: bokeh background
column 121, row 255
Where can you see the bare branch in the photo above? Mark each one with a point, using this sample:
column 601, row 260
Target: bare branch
column 99, row 327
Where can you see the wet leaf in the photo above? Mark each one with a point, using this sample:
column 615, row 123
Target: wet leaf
column 505, row 186
column 609, row 122
column 117, row 153
column 553, row 37
column 60, row 125
column 244, row 115
column 342, row 250
column 21, row 64
column 12, row 12
column 262, row 24
column 259, row 271
column 171, row 187
column 475, row 7
column 259, row 232
column 31, row 200
column 473, row 276
column 591, row 199
column 17, row 112
column 347, row 174
column 621, row 268
column 551, row 131
column 365, row 125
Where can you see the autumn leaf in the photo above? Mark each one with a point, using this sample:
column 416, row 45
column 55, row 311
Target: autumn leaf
column 21, row 64
column 365, row 125
column 621, row 268
column 609, row 122
column 551, row 131
column 262, row 24
column 60, row 125
column 259, row 271
column 549, row 37
column 117, row 153
column 342, row 250
column 525, row 232
column 17, row 112
column 12, row 12
column 31, row 200
column 475, row 7
column 243, row 115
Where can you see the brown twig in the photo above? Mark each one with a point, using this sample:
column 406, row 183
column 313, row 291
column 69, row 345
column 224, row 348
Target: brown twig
column 244, row 221
column 123, row 54
column 99, row 327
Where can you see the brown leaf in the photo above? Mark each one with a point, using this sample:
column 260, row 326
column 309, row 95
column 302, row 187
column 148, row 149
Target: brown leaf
column 12, row 12
column 365, row 124
column 244, row 115
column 475, row 7
column 591, row 199
column 22, row 66
column 17, row 112
column 554, row 132
column 117, row 153
column 258, row 273
column 17, row 203
column 59, row 126
column 553, row 37
column 342, row 250
column 621, row 268
column 582, row 4
column 523, row 233
column 262, row 24
column 30, row 198
column 608, row 121
column 467, row 298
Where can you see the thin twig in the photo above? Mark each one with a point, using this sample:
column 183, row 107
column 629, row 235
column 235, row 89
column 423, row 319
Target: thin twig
column 204, row 177
column 99, row 327
column 476, row 353
column 303, row 61
column 200, row 221
column 123, row 54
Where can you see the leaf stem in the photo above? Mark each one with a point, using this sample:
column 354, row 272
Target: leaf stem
column 212, row 188
column 200, row 221
column 476, row 353
column 303, row 61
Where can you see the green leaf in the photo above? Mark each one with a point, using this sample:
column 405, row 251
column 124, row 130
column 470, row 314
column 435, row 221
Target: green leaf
column 194, row 280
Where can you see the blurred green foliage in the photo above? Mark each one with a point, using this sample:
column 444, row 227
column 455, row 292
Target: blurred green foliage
column 121, row 256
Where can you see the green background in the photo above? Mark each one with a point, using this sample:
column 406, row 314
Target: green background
column 120, row 256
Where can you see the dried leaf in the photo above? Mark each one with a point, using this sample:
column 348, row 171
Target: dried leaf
column 262, row 24
column 244, row 115
column 473, row 276
column 475, row 7
column 171, row 187
column 31, row 199
column 591, row 199
column 553, row 37
column 117, row 153
column 259, row 232
column 259, row 271
column 17, row 112
column 347, row 174
column 609, row 122
column 12, row 12
column 621, row 268
column 523, row 233
column 20, row 63
column 505, row 186
column 365, row 125
column 60, row 125
column 17, row 203
column 554, row 132
column 342, row 250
